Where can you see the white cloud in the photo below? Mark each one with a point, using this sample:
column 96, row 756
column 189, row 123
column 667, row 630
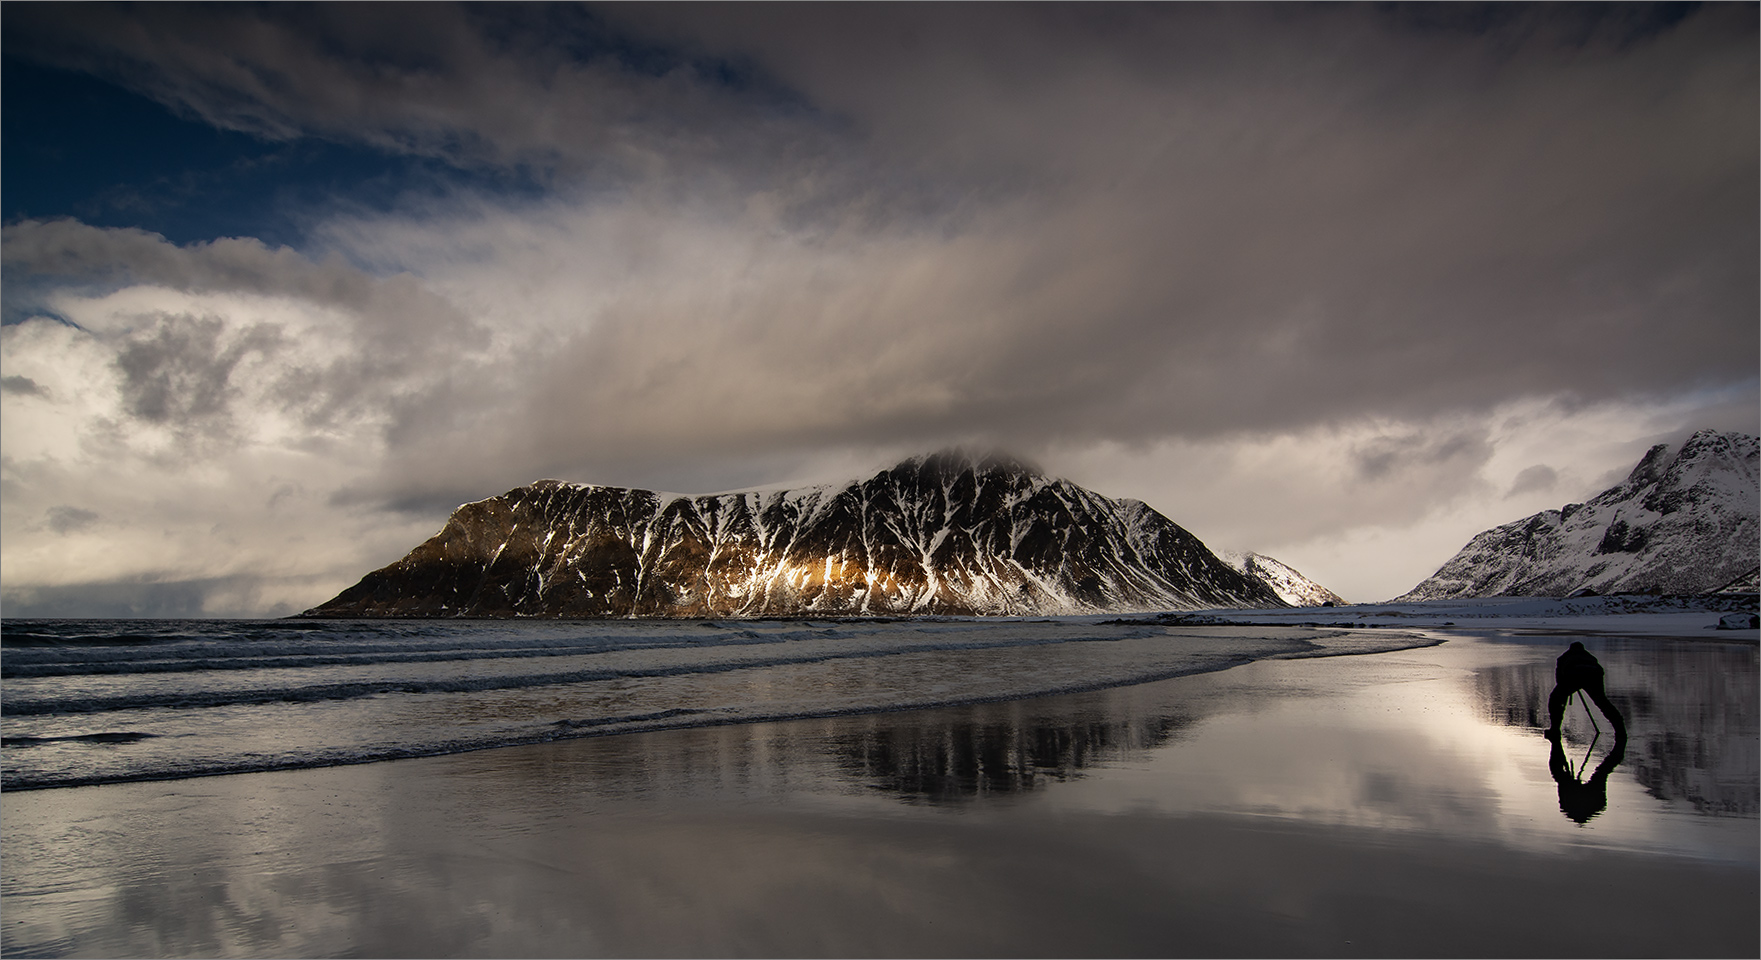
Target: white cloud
column 193, row 437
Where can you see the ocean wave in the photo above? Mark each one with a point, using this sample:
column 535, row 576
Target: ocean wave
column 271, row 657
column 286, row 698
column 15, row 704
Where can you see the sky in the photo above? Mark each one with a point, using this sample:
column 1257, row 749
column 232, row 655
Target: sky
column 1341, row 284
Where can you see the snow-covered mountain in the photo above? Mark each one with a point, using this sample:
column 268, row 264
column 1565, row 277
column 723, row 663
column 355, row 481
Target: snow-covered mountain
column 1681, row 523
column 945, row 534
column 1292, row 587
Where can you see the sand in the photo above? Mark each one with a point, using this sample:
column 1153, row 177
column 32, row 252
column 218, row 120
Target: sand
column 1396, row 804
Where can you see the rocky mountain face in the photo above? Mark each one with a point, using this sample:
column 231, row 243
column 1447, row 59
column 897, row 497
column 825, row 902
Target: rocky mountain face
column 1679, row 523
column 1291, row 587
column 947, row 534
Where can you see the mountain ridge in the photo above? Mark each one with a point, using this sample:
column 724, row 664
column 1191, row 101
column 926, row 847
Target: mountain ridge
column 948, row 533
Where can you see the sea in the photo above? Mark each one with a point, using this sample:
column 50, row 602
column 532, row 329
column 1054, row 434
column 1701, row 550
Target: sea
column 105, row 701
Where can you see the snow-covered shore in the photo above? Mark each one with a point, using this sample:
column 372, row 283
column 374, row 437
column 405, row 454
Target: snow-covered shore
column 1689, row 617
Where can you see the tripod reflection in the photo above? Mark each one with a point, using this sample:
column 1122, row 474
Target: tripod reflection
column 1581, row 799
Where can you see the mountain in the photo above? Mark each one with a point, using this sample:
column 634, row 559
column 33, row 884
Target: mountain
column 1290, row 586
column 947, row 534
column 1747, row 583
column 1681, row 523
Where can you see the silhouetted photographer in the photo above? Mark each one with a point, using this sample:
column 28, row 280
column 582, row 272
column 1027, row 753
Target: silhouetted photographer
column 1578, row 670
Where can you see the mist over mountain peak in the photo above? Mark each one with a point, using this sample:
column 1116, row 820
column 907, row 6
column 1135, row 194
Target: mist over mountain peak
column 958, row 459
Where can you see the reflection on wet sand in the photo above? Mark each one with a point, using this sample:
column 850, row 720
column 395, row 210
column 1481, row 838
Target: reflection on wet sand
column 1691, row 710
column 1581, row 799
column 952, row 754
column 952, row 757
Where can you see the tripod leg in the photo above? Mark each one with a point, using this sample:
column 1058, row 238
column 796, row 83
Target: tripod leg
column 1578, row 774
column 1590, row 713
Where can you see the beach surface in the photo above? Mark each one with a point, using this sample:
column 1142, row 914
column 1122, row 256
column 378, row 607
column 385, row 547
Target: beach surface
column 1398, row 803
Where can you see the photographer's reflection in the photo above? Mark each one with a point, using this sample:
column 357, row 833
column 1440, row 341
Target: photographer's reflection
column 1578, row 672
column 1580, row 800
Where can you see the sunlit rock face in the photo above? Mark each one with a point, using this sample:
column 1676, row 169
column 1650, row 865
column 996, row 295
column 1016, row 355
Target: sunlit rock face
column 1678, row 524
column 948, row 534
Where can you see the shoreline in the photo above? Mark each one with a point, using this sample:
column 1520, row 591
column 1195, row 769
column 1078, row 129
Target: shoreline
column 1721, row 602
column 582, row 730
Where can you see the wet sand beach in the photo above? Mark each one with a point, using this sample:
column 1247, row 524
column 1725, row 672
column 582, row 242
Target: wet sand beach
column 1392, row 804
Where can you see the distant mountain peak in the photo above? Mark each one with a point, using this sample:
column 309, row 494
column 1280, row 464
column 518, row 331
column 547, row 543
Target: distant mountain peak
column 1290, row 585
column 1683, row 521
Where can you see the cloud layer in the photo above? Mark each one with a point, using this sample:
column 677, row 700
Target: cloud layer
column 1325, row 256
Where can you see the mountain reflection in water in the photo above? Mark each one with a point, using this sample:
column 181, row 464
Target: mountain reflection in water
column 1691, row 712
column 941, row 755
column 991, row 750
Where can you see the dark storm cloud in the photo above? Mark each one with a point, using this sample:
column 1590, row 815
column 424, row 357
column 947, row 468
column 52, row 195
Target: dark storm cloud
column 1134, row 223
column 181, row 372
column 21, row 386
column 1388, row 455
column 66, row 519
column 1060, row 221
column 549, row 86
column 1537, row 477
column 81, row 254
